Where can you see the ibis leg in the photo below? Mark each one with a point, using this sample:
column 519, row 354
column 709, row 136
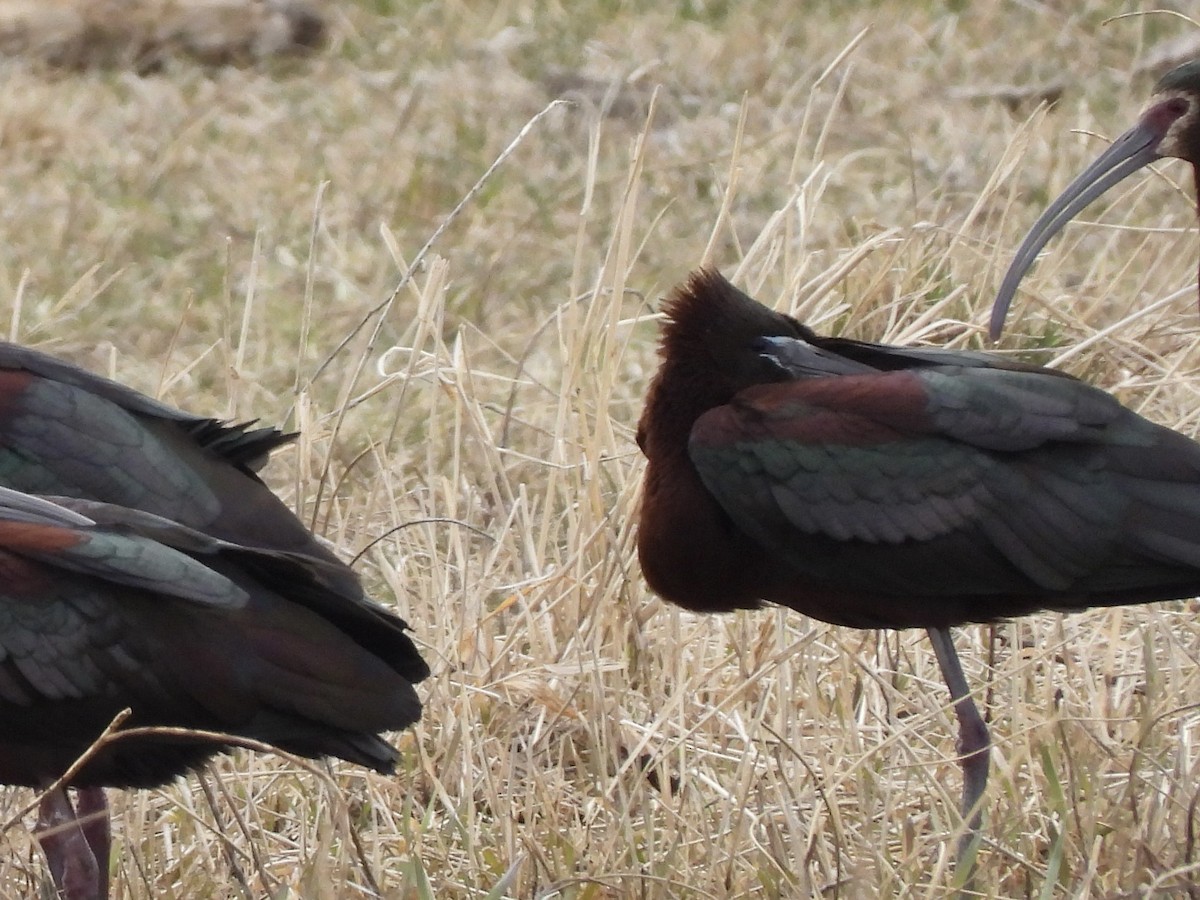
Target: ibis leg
column 973, row 741
column 68, row 851
column 91, row 809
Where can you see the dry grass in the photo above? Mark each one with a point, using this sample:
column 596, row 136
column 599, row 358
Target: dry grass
column 145, row 35
column 214, row 236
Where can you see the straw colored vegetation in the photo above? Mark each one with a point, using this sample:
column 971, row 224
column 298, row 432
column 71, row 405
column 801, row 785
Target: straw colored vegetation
column 144, row 35
column 231, row 239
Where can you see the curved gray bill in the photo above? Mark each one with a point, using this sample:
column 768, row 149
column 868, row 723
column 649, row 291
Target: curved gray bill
column 1136, row 148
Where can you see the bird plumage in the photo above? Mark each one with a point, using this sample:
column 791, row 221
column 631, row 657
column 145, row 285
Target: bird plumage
column 891, row 487
column 147, row 566
column 66, row 431
column 104, row 608
column 887, row 487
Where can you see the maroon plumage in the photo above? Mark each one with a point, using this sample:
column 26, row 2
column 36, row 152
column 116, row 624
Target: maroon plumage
column 877, row 486
column 144, row 565
column 109, row 608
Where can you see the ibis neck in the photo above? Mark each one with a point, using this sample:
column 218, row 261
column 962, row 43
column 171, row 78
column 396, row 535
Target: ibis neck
column 679, row 396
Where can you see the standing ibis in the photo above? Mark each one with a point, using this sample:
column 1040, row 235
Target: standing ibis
column 144, row 566
column 1169, row 127
column 887, row 487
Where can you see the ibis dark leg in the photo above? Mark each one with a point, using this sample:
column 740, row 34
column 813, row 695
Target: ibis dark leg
column 973, row 740
column 69, row 848
column 91, row 809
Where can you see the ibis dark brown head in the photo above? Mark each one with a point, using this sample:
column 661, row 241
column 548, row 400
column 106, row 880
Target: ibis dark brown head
column 1169, row 127
column 709, row 353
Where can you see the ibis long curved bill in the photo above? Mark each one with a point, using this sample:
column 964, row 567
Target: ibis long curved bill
column 1133, row 150
column 1163, row 130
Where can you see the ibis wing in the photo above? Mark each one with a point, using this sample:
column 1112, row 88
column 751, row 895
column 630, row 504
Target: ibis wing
column 121, row 609
column 888, row 357
column 956, row 394
column 239, row 444
column 1013, row 460
column 842, row 356
column 39, row 530
column 313, row 582
column 65, row 631
column 65, row 431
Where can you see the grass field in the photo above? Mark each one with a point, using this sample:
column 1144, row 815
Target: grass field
column 255, row 242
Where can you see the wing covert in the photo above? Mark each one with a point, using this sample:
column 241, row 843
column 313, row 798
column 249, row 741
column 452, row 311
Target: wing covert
column 872, row 459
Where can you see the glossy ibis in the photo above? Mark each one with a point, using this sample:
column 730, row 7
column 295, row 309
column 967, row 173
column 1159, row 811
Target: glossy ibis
column 1169, row 127
column 144, row 565
column 887, row 487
